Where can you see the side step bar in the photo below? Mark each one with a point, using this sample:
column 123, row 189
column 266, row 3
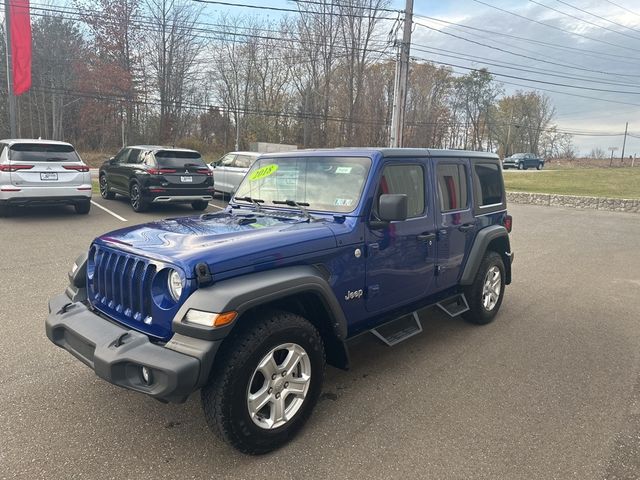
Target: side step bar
column 454, row 306
column 398, row 330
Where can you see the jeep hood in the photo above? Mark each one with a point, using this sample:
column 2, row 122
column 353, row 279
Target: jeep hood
column 225, row 241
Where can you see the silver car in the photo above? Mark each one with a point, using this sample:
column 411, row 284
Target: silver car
column 229, row 171
column 42, row 172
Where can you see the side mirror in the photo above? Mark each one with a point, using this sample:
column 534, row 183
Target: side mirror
column 112, row 160
column 392, row 207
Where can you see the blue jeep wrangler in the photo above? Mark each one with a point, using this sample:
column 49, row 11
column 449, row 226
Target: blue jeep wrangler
column 316, row 247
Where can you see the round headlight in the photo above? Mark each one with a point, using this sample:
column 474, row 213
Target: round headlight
column 175, row 285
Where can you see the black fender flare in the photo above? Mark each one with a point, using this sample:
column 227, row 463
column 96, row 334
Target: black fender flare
column 478, row 250
column 245, row 292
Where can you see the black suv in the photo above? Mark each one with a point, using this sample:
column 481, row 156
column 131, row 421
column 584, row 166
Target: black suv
column 152, row 174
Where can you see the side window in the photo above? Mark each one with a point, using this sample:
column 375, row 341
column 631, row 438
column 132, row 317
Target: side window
column 488, row 184
column 122, row 155
column 134, row 156
column 452, row 186
column 407, row 179
column 243, row 161
column 227, row 160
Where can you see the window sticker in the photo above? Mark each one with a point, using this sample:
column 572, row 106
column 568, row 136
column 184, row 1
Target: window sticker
column 343, row 202
column 263, row 172
column 343, row 170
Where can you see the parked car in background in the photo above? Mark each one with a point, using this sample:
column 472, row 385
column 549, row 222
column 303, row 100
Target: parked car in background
column 523, row 161
column 229, row 170
column 42, row 172
column 152, row 174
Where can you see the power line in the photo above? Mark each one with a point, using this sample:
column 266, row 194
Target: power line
column 597, row 16
column 623, row 8
column 556, row 28
column 583, row 20
column 619, row 58
column 493, row 47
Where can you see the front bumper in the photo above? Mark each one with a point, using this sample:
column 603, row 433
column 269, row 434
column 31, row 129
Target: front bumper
column 118, row 354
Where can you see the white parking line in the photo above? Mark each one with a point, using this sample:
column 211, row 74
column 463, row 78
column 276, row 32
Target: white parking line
column 109, row 211
column 216, row 206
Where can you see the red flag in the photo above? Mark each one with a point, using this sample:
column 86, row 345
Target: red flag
column 20, row 23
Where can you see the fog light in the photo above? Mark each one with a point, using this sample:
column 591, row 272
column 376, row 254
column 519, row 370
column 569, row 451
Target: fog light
column 147, row 378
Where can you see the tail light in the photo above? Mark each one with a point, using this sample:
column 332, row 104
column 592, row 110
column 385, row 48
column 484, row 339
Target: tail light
column 77, row 168
column 14, row 168
column 508, row 222
column 205, row 171
column 160, row 171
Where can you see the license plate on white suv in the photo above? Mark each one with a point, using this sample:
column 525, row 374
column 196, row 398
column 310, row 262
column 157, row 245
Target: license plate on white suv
column 48, row 176
column 186, row 179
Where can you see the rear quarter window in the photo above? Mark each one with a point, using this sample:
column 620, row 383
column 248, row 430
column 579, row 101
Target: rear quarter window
column 488, row 185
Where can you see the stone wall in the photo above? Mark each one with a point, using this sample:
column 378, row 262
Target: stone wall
column 574, row 201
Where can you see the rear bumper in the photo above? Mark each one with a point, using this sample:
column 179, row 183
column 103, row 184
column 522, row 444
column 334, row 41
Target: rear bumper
column 117, row 354
column 22, row 195
column 181, row 198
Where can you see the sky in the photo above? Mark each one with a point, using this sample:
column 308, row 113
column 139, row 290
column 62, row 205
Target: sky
column 593, row 45
column 590, row 44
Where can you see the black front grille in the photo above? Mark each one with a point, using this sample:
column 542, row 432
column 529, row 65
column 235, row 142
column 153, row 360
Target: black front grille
column 122, row 284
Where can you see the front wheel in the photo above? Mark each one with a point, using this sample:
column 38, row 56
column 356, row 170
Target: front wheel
column 268, row 385
column 484, row 295
column 520, row 166
column 104, row 188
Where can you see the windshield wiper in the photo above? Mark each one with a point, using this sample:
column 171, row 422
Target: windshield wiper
column 293, row 203
column 255, row 201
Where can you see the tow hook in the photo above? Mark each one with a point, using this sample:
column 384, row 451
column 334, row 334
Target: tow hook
column 65, row 308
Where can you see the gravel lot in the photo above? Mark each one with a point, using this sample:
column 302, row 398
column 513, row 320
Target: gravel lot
column 549, row 390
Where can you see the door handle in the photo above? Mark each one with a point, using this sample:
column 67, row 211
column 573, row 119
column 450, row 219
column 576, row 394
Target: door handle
column 426, row 237
column 466, row 227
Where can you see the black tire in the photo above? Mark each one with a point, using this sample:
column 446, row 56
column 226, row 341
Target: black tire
column 478, row 313
column 539, row 166
column 5, row 211
column 104, row 188
column 199, row 205
column 138, row 203
column 225, row 398
column 520, row 166
column 83, row 207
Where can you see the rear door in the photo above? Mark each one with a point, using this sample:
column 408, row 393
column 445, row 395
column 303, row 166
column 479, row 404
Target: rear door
column 182, row 171
column 455, row 220
column 40, row 164
column 238, row 169
column 220, row 173
column 401, row 256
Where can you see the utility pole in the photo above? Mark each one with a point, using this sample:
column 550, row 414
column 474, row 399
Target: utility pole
column 10, row 96
column 402, row 74
column 624, row 142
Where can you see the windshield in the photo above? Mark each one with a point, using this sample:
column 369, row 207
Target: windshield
column 332, row 184
column 41, row 152
column 518, row 155
column 173, row 159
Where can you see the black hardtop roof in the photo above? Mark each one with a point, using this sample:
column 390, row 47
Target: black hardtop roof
column 386, row 152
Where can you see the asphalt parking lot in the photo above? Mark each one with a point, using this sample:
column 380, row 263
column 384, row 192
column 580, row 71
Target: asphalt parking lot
column 550, row 390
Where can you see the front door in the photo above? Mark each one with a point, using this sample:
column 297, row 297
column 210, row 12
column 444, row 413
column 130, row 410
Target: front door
column 401, row 256
column 456, row 223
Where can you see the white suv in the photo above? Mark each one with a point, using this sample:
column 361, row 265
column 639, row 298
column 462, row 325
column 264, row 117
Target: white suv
column 38, row 172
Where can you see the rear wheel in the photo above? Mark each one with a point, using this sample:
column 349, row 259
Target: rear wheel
column 539, row 167
column 270, row 381
column 135, row 197
column 484, row 295
column 83, row 207
column 200, row 205
column 5, row 211
column 104, row 188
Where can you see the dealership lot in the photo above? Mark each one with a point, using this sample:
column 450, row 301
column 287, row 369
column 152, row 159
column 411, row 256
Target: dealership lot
column 551, row 389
